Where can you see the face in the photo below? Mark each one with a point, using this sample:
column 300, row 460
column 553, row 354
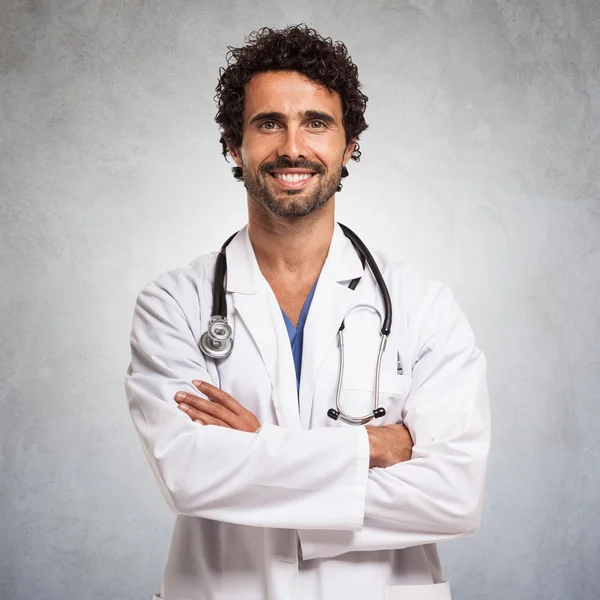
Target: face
column 294, row 143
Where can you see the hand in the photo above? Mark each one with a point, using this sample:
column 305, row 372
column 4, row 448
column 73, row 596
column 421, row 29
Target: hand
column 221, row 409
column 389, row 444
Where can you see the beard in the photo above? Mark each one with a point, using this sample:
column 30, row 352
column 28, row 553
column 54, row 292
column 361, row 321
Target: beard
column 291, row 203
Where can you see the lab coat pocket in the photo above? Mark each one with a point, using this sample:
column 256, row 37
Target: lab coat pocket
column 434, row 591
column 358, row 390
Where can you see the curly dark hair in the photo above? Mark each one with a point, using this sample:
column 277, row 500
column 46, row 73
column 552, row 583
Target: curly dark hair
column 295, row 48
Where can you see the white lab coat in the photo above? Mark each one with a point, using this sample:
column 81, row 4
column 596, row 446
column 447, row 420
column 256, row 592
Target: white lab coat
column 293, row 512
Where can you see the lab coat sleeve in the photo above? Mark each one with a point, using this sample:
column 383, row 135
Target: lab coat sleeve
column 438, row 494
column 273, row 478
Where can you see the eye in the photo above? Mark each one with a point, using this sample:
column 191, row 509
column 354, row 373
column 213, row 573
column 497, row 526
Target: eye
column 268, row 125
column 321, row 124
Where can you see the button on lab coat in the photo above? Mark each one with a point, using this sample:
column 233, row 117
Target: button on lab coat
column 293, row 512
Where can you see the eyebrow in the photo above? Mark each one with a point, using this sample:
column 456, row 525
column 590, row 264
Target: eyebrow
column 307, row 114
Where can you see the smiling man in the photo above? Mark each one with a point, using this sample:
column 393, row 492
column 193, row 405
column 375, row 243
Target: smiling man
column 314, row 412
column 269, row 176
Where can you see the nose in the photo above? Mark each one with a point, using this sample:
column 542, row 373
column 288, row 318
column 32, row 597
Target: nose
column 293, row 144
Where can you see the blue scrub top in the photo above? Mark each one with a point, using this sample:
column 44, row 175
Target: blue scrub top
column 297, row 334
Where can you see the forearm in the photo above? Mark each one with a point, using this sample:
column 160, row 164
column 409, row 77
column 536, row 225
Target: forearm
column 272, row 478
column 412, row 503
column 437, row 494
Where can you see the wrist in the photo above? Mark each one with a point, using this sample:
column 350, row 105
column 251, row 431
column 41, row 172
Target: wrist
column 374, row 447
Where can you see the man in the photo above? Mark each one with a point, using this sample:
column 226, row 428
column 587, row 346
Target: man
column 275, row 499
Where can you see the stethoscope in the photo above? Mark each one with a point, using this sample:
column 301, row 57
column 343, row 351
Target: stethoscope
column 217, row 341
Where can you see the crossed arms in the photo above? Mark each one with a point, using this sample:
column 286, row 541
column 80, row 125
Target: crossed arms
column 317, row 481
column 388, row 445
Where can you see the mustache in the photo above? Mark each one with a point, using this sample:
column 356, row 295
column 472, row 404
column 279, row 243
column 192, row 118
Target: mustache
column 284, row 163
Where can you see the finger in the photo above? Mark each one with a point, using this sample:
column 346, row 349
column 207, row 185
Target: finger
column 206, row 406
column 221, row 397
column 212, row 421
column 200, row 417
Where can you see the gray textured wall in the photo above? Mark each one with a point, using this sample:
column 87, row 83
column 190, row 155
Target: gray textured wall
column 482, row 155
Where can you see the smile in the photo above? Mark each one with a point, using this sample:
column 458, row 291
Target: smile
column 292, row 180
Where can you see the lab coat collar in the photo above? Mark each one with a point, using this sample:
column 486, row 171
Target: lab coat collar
column 243, row 273
column 331, row 302
column 244, row 276
column 258, row 309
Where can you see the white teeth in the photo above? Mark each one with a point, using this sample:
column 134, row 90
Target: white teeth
column 293, row 178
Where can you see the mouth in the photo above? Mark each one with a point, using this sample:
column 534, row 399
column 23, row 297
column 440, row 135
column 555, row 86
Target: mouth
column 292, row 180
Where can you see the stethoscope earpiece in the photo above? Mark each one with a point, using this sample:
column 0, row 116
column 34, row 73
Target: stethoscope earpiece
column 333, row 414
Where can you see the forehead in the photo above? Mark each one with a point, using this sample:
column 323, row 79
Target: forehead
column 288, row 92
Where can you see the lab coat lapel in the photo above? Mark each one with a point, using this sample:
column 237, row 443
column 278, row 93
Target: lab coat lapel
column 331, row 302
column 256, row 306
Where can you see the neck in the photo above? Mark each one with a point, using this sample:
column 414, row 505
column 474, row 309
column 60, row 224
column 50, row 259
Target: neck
column 290, row 249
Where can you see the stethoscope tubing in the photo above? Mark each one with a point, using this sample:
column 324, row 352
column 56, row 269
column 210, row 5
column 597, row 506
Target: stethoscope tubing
column 219, row 307
column 217, row 341
column 344, row 416
column 385, row 294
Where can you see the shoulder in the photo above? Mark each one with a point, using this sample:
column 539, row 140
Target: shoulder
column 415, row 288
column 186, row 285
column 429, row 306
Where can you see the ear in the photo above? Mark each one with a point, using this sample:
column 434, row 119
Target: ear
column 348, row 151
column 236, row 155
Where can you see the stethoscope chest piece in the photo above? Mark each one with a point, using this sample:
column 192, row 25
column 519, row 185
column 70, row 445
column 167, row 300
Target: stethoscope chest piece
column 217, row 341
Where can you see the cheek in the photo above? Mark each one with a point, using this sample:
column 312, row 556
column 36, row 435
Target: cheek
column 328, row 152
column 256, row 149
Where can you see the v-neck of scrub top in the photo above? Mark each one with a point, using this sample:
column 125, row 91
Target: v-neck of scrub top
column 296, row 334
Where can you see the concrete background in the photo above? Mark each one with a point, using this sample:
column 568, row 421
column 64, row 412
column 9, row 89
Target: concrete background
column 480, row 167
